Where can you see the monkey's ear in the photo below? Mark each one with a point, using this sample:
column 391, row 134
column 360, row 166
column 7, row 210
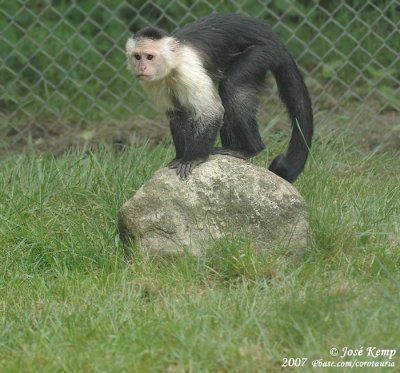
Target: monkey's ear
column 173, row 45
column 130, row 45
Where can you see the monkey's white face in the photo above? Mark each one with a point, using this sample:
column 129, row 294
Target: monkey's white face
column 149, row 59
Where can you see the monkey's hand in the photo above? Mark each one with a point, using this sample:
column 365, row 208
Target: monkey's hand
column 184, row 168
column 174, row 163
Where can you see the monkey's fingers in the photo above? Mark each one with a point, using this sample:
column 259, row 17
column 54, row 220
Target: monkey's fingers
column 184, row 168
column 174, row 163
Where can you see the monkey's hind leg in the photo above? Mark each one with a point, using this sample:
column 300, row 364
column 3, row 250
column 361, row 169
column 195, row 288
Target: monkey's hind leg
column 239, row 93
column 240, row 136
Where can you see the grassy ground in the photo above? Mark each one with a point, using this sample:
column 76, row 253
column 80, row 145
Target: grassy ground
column 70, row 303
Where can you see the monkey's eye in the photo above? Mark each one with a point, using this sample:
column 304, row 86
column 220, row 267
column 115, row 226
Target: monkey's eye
column 136, row 56
column 150, row 57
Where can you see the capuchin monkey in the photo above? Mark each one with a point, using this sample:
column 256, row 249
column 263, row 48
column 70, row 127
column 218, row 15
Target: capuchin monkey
column 208, row 77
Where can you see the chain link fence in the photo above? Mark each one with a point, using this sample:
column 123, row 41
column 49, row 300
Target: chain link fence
column 62, row 63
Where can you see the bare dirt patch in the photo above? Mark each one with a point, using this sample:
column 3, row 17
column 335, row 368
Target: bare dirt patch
column 56, row 137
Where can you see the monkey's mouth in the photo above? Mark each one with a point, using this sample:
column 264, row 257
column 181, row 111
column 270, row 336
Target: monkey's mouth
column 144, row 76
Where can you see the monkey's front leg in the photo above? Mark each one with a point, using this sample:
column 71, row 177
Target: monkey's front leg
column 177, row 119
column 199, row 135
column 193, row 138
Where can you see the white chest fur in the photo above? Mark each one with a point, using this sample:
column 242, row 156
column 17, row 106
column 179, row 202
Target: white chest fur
column 189, row 83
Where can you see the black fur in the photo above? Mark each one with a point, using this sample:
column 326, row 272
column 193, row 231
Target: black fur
column 193, row 140
column 237, row 52
column 151, row 33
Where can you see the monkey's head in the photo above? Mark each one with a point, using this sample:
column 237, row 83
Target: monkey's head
column 151, row 54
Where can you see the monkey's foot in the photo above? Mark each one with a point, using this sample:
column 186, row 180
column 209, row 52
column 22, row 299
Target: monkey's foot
column 184, row 168
column 243, row 154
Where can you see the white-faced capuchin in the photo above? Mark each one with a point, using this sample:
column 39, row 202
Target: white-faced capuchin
column 208, row 77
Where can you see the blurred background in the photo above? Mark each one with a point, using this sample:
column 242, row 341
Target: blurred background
column 64, row 82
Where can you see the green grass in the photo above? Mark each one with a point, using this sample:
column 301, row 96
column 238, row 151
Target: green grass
column 69, row 302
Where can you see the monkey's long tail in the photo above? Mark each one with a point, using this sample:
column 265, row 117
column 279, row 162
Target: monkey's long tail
column 294, row 95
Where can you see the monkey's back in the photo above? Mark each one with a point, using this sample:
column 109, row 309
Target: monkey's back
column 223, row 37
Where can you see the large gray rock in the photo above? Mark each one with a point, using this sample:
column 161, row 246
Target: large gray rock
column 222, row 195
